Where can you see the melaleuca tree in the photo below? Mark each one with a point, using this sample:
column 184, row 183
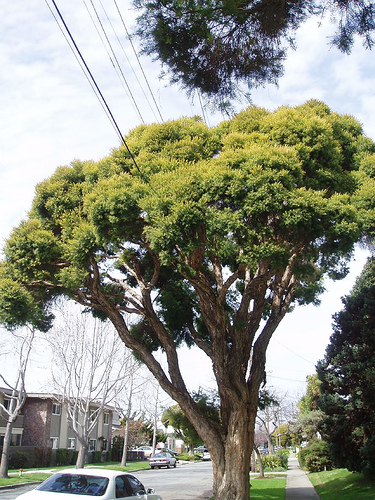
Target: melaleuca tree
column 206, row 236
column 347, row 375
column 215, row 46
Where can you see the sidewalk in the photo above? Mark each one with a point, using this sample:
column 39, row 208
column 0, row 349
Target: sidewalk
column 298, row 485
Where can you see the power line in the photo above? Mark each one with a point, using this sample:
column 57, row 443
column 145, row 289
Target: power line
column 304, row 359
column 112, row 118
column 130, row 64
column 114, row 56
column 138, row 60
column 80, row 64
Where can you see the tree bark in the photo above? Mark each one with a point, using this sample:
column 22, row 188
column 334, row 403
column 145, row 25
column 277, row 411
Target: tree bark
column 231, row 463
column 81, row 459
column 5, row 451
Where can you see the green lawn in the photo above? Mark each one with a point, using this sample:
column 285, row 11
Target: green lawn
column 25, row 478
column 340, row 484
column 270, row 488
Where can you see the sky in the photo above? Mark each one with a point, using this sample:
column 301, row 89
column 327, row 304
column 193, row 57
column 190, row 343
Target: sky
column 51, row 116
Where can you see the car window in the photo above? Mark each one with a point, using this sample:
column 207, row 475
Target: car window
column 134, row 484
column 123, row 488
column 76, row 484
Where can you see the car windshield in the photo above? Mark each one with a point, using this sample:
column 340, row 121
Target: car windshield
column 76, row 484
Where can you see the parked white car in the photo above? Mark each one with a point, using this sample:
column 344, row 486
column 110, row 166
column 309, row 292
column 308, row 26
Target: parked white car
column 162, row 459
column 147, row 450
column 104, row 483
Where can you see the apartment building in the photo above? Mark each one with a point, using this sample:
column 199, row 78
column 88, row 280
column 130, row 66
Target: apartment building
column 43, row 424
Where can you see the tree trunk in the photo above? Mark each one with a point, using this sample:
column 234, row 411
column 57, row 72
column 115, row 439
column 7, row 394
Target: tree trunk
column 5, row 452
column 232, row 462
column 81, row 459
column 258, row 455
column 126, row 439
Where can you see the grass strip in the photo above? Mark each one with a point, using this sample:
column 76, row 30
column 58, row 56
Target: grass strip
column 25, row 478
column 340, row 484
column 272, row 488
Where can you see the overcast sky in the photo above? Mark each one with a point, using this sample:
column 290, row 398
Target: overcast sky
column 50, row 116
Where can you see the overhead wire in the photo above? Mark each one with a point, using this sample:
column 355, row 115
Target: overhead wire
column 138, row 60
column 123, row 77
column 131, row 66
column 81, row 65
column 98, row 91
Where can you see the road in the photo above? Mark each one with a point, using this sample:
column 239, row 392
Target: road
column 185, row 482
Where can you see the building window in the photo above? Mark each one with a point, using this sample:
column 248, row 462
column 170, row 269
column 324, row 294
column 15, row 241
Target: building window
column 106, row 418
column 71, row 443
column 56, row 409
column 92, row 445
column 104, row 445
column 16, row 439
column 6, row 404
column 54, row 443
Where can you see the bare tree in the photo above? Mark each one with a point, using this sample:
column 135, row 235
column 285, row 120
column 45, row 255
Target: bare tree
column 134, row 389
column 276, row 409
column 90, row 366
column 22, row 347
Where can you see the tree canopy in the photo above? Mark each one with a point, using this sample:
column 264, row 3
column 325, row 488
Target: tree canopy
column 348, row 379
column 205, row 236
column 214, row 46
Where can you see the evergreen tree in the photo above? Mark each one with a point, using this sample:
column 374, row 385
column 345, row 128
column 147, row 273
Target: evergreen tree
column 214, row 46
column 348, row 379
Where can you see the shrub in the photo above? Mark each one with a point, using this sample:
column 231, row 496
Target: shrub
column 315, row 457
column 275, row 462
column 66, row 457
column 96, row 457
column 187, row 457
column 283, row 455
column 42, row 456
column 19, row 460
column 368, row 458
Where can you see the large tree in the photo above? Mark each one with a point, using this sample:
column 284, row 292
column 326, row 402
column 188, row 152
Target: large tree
column 206, row 236
column 347, row 375
column 214, row 46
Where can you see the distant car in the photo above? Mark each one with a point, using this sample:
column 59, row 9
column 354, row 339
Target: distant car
column 206, row 456
column 200, row 449
column 104, row 483
column 147, row 450
column 162, row 459
column 174, row 453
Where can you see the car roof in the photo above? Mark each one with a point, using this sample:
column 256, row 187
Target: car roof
column 94, row 472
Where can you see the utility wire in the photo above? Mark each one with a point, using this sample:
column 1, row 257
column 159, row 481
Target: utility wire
column 106, row 49
column 139, row 62
column 115, row 58
column 129, row 63
column 97, row 88
column 81, row 65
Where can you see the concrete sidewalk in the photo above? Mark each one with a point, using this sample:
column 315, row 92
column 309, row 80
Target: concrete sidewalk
column 298, row 485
